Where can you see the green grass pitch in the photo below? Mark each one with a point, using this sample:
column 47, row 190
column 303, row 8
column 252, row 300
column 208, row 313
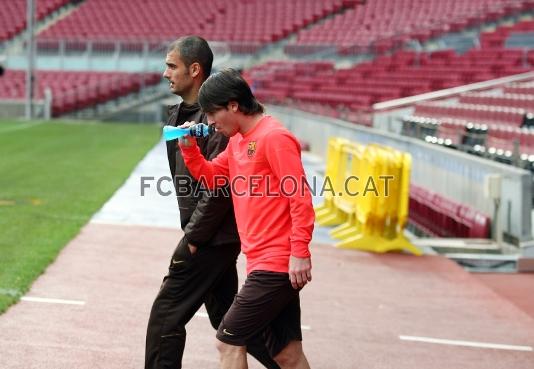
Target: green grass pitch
column 53, row 177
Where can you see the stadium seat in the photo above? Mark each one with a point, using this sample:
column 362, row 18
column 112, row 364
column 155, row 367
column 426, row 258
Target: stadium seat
column 13, row 15
column 436, row 215
column 405, row 73
column 250, row 25
column 381, row 25
column 76, row 90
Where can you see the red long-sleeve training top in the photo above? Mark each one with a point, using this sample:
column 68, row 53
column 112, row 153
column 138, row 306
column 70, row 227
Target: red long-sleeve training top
column 272, row 202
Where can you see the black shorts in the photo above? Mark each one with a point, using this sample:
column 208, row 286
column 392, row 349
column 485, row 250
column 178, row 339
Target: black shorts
column 267, row 306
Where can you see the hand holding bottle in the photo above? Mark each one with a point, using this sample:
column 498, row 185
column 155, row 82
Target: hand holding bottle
column 186, row 140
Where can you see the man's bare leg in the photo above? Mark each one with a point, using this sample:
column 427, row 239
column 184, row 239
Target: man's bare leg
column 292, row 357
column 232, row 357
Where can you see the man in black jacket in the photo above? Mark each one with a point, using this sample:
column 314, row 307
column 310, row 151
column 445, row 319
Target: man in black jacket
column 203, row 267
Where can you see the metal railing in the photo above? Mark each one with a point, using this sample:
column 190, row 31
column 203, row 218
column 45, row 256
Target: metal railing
column 450, row 92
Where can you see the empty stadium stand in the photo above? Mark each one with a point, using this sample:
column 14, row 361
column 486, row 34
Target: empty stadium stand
column 381, row 25
column 477, row 113
column 13, row 15
column 76, row 90
column 494, row 123
column 246, row 24
column 403, row 74
column 520, row 101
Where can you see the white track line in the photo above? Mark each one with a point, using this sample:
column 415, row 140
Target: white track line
column 52, row 301
column 495, row 346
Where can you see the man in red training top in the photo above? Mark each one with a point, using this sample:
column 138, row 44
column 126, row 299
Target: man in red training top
column 274, row 215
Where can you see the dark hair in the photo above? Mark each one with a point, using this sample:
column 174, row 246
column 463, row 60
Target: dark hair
column 225, row 86
column 194, row 49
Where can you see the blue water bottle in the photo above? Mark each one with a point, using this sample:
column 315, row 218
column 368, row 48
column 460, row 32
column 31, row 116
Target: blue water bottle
column 196, row 130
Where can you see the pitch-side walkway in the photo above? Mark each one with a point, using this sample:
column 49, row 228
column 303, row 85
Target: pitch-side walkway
column 90, row 308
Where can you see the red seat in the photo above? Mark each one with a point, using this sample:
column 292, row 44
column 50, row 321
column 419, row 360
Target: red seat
column 474, row 223
column 442, row 217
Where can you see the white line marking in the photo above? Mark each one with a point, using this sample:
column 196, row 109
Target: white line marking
column 52, row 301
column 305, row 327
column 496, row 346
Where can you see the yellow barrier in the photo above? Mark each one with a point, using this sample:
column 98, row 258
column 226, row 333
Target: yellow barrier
column 327, row 213
column 400, row 242
column 353, row 154
column 369, row 216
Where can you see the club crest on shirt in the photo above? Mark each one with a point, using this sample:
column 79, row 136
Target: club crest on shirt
column 251, row 149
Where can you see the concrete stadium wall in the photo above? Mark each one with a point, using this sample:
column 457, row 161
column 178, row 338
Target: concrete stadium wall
column 16, row 109
column 11, row 109
column 453, row 174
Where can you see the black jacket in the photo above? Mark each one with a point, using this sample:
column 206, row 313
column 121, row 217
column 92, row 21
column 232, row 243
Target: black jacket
column 206, row 217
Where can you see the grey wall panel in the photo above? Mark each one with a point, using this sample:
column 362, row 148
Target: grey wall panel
column 453, row 174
